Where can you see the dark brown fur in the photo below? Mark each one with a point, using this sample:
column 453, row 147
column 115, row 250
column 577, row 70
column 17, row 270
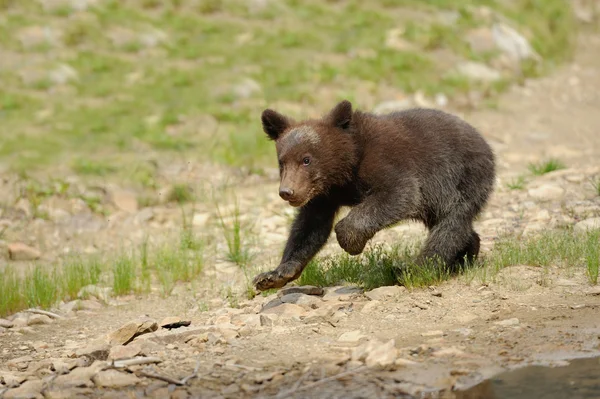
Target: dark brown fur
column 420, row 164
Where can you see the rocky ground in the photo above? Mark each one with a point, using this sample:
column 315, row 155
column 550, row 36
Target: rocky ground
column 308, row 342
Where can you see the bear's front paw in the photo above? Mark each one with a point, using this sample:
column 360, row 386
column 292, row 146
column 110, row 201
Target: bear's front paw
column 268, row 280
column 351, row 240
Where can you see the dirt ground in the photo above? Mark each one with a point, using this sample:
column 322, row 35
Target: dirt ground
column 445, row 338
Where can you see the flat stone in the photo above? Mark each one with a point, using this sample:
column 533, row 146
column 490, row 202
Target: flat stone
column 97, row 349
column 588, row 224
column 28, row 390
column 36, row 319
column 6, row 323
column 303, row 289
column 174, row 322
column 449, row 352
column 376, row 353
column 286, row 310
column 351, row 336
column 433, row 333
column 69, row 393
column 125, row 200
column 79, row 377
column 478, row 72
column 268, row 320
column 22, row 252
column 302, row 300
column 508, row 322
column 114, row 379
column 547, row 192
column 124, row 351
column 342, row 293
column 127, row 332
column 382, row 293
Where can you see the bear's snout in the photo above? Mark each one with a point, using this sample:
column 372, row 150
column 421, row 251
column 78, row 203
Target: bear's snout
column 286, row 193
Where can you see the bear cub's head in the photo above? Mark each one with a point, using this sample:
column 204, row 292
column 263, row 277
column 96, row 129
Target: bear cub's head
column 314, row 155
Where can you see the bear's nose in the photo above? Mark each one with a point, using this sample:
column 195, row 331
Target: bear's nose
column 286, row 193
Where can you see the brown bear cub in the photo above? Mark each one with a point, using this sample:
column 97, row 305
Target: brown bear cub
column 420, row 164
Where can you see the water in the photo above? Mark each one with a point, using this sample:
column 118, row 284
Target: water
column 579, row 380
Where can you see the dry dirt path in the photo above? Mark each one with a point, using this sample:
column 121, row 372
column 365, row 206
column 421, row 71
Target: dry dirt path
column 451, row 336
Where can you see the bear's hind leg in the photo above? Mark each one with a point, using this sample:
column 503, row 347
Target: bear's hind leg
column 448, row 240
column 470, row 252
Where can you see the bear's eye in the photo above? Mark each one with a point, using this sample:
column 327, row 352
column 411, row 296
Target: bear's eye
column 306, row 161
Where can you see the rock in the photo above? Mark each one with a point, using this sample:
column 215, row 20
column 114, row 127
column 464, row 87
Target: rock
column 512, row 43
column 404, row 362
column 63, row 74
column 302, row 300
column 97, row 349
column 20, row 251
column 70, row 393
column 200, row 219
column 6, row 323
column 303, row 289
column 508, row 322
column 19, row 363
column 114, row 379
column 174, row 322
column 30, row 389
column 370, row 307
column 127, row 332
column 252, row 320
column 594, row 291
column 246, row 88
column 102, row 293
column 481, row 40
column 124, row 200
column 20, row 320
column 433, row 333
column 394, row 40
column 342, row 293
column 286, row 310
column 36, row 319
column 449, row 352
column 81, row 304
column 268, row 320
column 547, row 192
column 35, row 36
column 391, row 106
column 12, row 380
column 478, row 72
column 351, row 336
column 376, row 354
column 124, row 351
column 79, row 377
column 588, row 224
column 382, row 293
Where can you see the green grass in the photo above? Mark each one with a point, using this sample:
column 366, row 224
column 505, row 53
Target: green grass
column 129, row 272
column 547, row 166
column 378, row 267
column 137, row 93
column 180, row 193
column 77, row 273
column 236, row 236
column 517, row 183
column 124, row 274
column 595, row 182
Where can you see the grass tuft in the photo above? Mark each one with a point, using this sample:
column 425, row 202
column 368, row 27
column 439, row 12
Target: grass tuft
column 235, row 236
column 544, row 167
column 124, row 274
column 517, row 183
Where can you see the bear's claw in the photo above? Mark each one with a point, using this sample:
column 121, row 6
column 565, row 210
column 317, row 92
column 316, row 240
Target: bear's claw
column 268, row 280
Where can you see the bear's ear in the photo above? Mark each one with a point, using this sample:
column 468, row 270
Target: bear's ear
column 274, row 123
column 341, row 115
